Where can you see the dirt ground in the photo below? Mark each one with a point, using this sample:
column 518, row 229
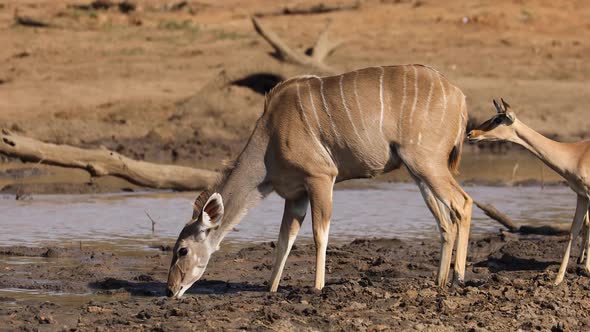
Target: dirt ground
column 130, row 81
column 372, row 285
column 135, row 82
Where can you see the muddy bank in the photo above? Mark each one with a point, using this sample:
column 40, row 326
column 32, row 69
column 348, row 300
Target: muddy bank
column 378, row 284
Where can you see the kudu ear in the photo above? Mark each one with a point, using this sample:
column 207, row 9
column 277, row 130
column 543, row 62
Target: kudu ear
column 213, row 211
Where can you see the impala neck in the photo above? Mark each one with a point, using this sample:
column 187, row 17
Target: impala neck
column 554, row 154
column 243, row 185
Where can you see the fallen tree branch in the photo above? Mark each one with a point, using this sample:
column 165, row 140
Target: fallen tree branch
column 101, row 162
column 322, row 48
column 498, row 216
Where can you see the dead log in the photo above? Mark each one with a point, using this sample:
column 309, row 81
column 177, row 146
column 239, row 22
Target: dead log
column 101, row 162
column 500, row 217
column 320, row 8
column 322, row 48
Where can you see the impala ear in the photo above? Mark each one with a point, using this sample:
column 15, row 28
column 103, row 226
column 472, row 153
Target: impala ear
column 509, row 113
column 506, row 106
column 498, row 108
column 213, row 211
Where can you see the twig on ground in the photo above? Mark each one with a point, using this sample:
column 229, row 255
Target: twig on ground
column 152, row 220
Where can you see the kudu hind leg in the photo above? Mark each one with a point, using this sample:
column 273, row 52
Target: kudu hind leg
column 463, row 219
column 293, row 216
column 320, row 190
column 581, row 212
column 454, row 220
column 586, row 246
column 447, row 230
column 582, row 259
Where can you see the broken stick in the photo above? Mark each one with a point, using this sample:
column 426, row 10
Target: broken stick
column 322, row 48
column 493, row 213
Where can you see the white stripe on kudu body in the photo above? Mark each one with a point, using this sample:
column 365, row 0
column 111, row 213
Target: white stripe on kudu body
column 327, row 109
column 415, row 96
column 358, row 105
column 309, row 130
column 348, row 114
column 382, row 104
column 403, row 103
column 313, row 108
column 444, row 95
column 426, row 110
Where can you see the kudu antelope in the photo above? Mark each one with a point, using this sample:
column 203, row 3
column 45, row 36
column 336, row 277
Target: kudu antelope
column 570, row 160
column 316, row 131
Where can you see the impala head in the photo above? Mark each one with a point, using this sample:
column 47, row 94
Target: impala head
column 498, row 128
column 195, row 244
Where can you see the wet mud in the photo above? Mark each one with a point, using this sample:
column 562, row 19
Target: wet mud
column 372, row 285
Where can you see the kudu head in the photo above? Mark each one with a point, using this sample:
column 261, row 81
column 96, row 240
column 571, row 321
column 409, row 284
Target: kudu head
column 498, row 128
column 195, row 244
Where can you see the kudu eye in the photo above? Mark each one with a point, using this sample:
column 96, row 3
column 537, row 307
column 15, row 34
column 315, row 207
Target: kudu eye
column 497, row 120
column 183, row 252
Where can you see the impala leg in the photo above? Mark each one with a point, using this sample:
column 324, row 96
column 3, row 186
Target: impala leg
column 320, row 197
column 581, row 212
column 293, row 216
column 447, row 231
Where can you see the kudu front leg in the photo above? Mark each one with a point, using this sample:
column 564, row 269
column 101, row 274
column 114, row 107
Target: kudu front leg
column 293, row 216
column 581, row 212
column 320, row 197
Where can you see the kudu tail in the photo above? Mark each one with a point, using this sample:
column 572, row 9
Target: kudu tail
column 455, row 155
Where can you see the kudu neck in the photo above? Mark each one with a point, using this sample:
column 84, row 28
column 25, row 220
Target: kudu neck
column 243, row 185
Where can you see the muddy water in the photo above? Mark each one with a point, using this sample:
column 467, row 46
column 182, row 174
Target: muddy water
column 382, row 210
column 118, row 223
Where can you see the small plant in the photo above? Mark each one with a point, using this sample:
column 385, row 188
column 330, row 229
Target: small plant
column 176, row 25
column 231, row 35
column 525, row 15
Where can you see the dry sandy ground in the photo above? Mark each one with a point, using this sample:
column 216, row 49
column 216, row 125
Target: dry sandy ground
column 372, row 285
column 129, row 81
